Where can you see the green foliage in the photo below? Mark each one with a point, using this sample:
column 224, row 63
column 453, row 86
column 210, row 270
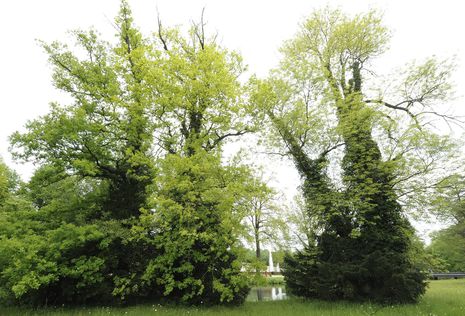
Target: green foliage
column 448, row 202
column 278, row 256
column 4, row 182
column 258, row 206
column 448, row 246
column 10, row 186
column 38, row 263
column 194, row 228
column 62, row 252
column 106, row 132
column 132, row 201
column 202, row 103
column 423, row 257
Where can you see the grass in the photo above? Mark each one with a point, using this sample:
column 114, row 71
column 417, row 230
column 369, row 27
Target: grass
column 268, row 281
column 444, row 297
column 275, row 280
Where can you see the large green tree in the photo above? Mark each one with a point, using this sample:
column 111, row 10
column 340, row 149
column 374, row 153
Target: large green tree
column 106, row 133
column 194, row 226
column 193, row 200
column 96, row 165
column 119, row 164
column 327, row 116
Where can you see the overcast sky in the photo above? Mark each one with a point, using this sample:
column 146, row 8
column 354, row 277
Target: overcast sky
column 254, row 28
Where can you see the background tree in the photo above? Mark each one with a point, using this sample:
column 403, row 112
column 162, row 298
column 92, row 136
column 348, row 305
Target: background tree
column 4, row 181
column 262, row 216
column 448, row 245
column 13, row 196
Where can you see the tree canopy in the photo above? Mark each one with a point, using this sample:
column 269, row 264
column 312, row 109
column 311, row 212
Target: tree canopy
column 133, row 199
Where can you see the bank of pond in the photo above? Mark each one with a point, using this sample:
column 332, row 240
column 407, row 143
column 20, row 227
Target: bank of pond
column 443, row 297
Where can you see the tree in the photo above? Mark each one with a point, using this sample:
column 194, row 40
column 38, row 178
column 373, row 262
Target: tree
column 258, row 207
column 448, row 244
column 203, row 106
column 4, row 183
column 262, row 216
column 361, row 243
column 149, row 116
column 263, row 220
column 194, row 196
column 96, row 154
column 12, row 193
column 449, row 200
column 107, row 133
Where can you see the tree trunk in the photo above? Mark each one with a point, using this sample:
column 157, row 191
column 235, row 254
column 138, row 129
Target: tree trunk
column 257, row 246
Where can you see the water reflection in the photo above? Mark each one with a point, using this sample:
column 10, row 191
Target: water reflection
column 267, row 294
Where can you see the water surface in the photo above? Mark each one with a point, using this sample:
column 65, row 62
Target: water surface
column 267, row 293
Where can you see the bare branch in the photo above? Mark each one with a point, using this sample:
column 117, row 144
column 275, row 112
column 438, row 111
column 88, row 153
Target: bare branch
column 222, row 137
column 330, row 149
column 160, row 32
column 200, row 33
column 398, row 106
column 272, row 153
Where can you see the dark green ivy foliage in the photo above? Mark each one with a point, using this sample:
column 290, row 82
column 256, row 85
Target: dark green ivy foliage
column 362, row 252
column 109, row 221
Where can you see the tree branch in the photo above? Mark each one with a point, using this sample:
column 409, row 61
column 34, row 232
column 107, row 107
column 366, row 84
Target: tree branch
column 160, row 33
column 398, row 107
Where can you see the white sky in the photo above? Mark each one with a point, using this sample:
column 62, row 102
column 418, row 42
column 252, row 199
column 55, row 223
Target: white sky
column 255, row 28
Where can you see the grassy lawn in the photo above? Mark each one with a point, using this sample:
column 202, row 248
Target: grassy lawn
column 445, row 297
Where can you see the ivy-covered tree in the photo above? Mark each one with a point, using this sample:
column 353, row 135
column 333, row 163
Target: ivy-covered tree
column 96, row 165
column 323, row 111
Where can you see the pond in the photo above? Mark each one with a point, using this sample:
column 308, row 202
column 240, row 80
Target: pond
column 267, row 293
